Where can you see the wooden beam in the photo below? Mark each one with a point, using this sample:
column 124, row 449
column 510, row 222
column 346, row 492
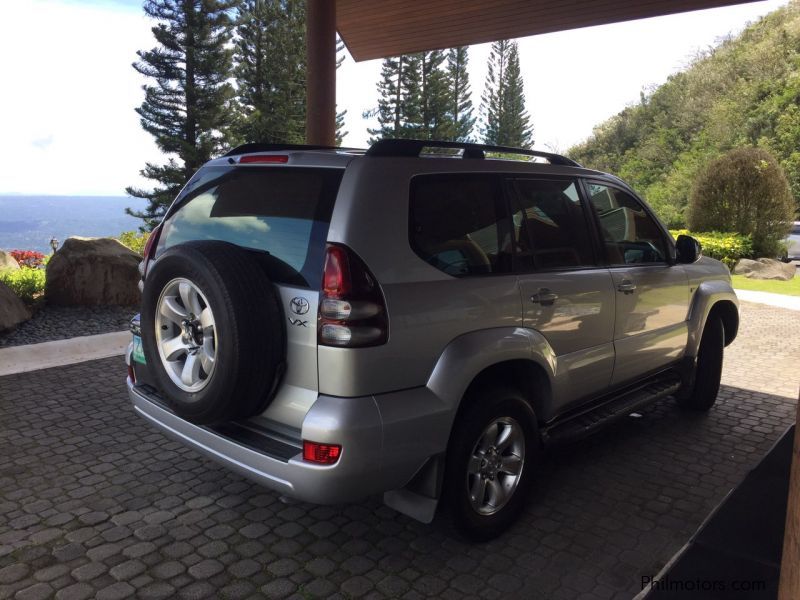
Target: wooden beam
column 379, row 28
column 790, row 563
column 321, row 72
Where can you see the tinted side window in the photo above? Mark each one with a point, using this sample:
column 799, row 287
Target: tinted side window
column 630, row 234
column 458, row 224
column 550, row 227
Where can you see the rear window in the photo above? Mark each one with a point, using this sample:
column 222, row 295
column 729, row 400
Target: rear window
column 282, row 211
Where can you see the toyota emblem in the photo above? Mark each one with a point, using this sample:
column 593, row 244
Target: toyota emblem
column 299, row 305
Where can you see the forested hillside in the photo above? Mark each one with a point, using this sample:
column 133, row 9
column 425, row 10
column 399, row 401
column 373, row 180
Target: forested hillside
column 746, row 91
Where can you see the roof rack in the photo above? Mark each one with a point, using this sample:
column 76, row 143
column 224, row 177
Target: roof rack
column 263, row 147
column 413, row 148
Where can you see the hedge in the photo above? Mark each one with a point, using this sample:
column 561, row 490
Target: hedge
column 726, row 247
column 25, row 282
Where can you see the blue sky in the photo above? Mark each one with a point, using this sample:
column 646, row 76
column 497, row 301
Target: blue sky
column 74, row 91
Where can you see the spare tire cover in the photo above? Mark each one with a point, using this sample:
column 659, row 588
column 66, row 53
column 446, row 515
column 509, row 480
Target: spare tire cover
column 212, row 331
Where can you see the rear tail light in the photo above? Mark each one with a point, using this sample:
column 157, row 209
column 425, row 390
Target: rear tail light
column 322, row 454
column 131, row 374
column 150, row 248
column 352, row 311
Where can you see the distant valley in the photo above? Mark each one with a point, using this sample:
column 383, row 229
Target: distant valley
column 29, row 222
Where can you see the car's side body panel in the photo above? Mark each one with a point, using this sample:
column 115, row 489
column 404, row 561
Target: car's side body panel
column 579, row 328
column 650, row 330
column 424, row 317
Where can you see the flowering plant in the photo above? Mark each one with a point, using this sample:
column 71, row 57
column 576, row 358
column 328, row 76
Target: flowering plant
column 28, row 258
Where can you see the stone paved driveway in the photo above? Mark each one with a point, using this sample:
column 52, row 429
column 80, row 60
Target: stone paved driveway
column 92, row 502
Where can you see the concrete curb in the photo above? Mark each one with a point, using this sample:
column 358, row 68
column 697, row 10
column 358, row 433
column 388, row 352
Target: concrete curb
column 32, row 357
column 778, row 300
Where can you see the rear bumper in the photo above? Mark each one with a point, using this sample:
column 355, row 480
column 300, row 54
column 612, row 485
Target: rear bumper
column 364, row 468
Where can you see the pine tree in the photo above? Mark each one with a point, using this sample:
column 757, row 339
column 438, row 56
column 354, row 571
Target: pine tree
column 459, row 96
column 340, row 132
column 270, row 71
column 506, row 122
column 398, row 101
column 433, row 122
column 187, row 107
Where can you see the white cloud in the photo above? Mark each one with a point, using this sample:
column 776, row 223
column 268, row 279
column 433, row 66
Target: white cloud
column 67, row 104
column 69, row 93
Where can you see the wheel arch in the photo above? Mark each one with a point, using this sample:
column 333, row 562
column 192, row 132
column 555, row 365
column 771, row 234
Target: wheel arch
column 526, row 375
column 727, row 311
column 519, row 356
column 713, row 297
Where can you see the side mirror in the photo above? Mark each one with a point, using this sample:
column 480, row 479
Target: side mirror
column 688, row 249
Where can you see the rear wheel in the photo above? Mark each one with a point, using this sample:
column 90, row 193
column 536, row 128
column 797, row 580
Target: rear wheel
column 707, row 370
column 491, row 462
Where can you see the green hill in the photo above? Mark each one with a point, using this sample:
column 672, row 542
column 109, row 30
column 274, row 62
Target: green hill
column 744, row 92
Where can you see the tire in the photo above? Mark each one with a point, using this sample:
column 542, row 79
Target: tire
column 485, row 518
column 237, row 338
column 707, row 370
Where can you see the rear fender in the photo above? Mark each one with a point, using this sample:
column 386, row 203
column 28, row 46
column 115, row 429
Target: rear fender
column 470, row 354
column 464, row 359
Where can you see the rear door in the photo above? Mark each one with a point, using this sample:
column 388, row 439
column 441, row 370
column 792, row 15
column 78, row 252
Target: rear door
column 281, row 214
column 567, row 294
column 652, row 292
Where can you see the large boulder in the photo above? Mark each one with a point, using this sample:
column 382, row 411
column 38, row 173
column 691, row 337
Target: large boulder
column 12, row 310
column 92, row 272
column 8, row 262
column 765, row 268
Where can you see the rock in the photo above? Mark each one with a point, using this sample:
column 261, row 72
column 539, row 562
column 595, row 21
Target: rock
column 92, row 272
column 8, row 262
column 12, row 310
column 765, row 268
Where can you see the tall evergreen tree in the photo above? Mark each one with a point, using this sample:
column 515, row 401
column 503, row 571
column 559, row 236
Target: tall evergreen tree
column 433, row 121
column 270, row 70
column 506, row 122
column 340, row 132
column 413, row 98
column 459, row 96
column 398, row 101
column 187, row 107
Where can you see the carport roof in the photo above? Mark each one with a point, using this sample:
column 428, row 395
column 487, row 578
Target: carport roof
column 380, row 28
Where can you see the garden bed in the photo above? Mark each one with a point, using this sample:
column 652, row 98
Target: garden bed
column 62, row 322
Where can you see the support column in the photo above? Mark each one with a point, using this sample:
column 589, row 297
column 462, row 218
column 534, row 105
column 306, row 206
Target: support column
column 321, row 72
column 790, row 563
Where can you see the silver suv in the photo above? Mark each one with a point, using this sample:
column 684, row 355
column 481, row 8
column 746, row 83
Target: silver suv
column 417, row 320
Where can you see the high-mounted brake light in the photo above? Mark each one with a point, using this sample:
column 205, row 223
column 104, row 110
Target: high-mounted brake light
column 263, row 159
column 352, row 310
column 323, row 454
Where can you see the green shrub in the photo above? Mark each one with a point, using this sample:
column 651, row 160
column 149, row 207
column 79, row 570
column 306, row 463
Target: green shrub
column 726, row 247
column 27, row 282
column 134, row 240
column 744, row 191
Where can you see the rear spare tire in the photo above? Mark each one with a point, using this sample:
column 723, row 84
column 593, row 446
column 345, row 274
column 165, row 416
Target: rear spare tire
column 212, row 331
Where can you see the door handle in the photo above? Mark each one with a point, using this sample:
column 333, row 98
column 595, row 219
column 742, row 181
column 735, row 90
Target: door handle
column 626, row 286
column 545, row 297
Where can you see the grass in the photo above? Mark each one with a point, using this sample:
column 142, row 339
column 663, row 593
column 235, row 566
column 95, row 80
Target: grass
column 787, row 288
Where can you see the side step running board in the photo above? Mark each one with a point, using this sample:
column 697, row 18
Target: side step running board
column 618, row 407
